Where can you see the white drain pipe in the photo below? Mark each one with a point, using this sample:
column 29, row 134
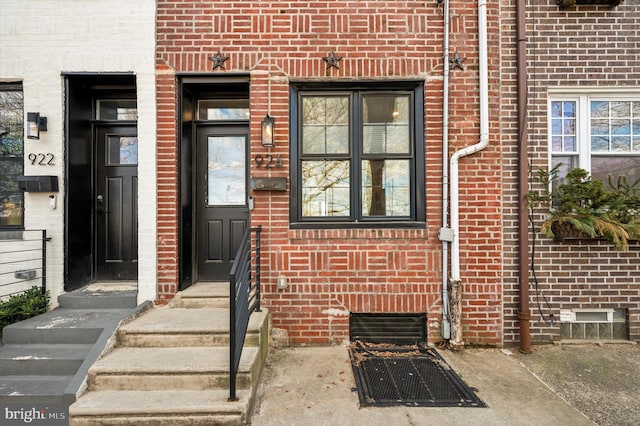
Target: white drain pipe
column 445, row 326
column 456, row 337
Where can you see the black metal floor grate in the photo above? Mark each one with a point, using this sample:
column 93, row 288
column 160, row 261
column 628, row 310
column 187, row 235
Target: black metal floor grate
column 409, row 375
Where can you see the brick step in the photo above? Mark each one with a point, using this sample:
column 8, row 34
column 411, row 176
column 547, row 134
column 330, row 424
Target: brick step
column 41, row 359
column 174, row 327
column 183, row 368
column 168, row 407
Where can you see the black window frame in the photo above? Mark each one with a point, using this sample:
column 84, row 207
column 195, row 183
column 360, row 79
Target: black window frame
column 16, row 87
column 356, row 91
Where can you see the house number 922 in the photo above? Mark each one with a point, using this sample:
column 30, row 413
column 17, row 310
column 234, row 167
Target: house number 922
column 267, row 161
column 42, row 159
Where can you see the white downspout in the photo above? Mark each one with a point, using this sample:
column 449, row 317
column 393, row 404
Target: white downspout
column 484, row 141
column 445, row 326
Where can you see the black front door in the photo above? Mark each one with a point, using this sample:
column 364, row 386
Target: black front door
column 222, row 212
column 116, row 202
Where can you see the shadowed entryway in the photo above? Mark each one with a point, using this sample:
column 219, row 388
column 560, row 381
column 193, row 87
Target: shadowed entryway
column 101, row 189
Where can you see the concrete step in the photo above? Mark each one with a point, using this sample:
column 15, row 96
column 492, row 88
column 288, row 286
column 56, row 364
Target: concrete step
column 63, row 326
column 164, row 327
column 161, row 407
column 111, row 296
column 42, row 359
column 45, row 359
column 203, row 295
column 167, row 364
column 184, row 368
column 34, row 389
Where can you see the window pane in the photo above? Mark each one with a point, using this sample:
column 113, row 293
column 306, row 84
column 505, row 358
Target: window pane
column 386, row 188
column 325, row 188
column 569, row 109
column 122, row 150
column 234, row 109
column 563, row 126
column 620, row 109
column 337, row 140
column 386, row 124
column 599, row 127
column 11, row 156
column 569, row 126
column 621, row 144
column 591, row 316
column 337, row 110
column 313, row 139
column 612, row 126
column 570, row 144
column 565, row 163
column 226, row 181
column 314, row 110
column 600, row 109
column 603, row 166
column 621, row 127
column 117, row 109
column 398, row 139
column 374, row 138
column 600, row 143
column 380, row 139
column 325, row 124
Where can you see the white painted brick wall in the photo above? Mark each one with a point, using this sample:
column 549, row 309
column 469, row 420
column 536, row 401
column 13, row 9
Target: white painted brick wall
column 40, row 40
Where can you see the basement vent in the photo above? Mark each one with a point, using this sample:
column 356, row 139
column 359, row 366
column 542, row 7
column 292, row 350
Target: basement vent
column 593, row 324
column 388, row 328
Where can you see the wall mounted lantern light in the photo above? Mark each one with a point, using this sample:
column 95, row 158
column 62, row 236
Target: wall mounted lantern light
column 267, row 131
column 35, row 125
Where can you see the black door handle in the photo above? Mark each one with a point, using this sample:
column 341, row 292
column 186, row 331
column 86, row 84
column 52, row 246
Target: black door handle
column 100, row 204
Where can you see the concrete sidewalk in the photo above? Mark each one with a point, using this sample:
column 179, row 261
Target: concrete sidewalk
column 314, row 386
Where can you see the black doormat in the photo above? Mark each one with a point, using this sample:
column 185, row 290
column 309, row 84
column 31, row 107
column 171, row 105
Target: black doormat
column 408, row 375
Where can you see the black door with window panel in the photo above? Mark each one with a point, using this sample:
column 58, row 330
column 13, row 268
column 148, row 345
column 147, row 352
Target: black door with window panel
column 116, row 203
column 222, row 212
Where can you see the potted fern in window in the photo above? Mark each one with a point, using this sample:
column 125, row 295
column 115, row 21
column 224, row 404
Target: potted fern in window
column 582, row 207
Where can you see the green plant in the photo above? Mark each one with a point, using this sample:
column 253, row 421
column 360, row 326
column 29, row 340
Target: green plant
column 628, row 208
column 23, row 306
column 583, row 204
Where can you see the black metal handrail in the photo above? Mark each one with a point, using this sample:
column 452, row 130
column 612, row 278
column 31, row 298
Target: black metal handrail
column 23, row 261
column 244, row 298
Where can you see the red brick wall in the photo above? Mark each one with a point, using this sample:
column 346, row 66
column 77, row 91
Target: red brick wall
column 334, row 272
column 167, row 154
column 586, row 47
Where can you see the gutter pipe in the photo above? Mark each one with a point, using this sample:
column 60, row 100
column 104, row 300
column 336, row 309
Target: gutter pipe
column 524, row 314
column 445, row 326
column 482, row 144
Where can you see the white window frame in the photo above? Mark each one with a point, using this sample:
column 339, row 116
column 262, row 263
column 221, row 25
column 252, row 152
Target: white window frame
column 582, row 99
column 569, row 315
